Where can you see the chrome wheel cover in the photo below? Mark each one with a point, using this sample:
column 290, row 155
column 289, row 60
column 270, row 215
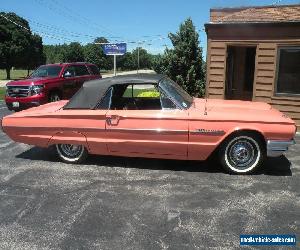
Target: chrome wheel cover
column 70, row 152
column 242, row 154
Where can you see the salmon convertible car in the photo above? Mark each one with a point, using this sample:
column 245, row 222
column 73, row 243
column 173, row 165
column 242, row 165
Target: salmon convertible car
column 149, row 115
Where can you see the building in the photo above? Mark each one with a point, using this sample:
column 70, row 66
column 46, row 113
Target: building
column 253, row 53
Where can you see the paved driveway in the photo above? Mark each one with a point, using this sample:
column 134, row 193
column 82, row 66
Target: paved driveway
column 125, row 203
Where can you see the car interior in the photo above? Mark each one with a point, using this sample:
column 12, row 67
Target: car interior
column 135, row 97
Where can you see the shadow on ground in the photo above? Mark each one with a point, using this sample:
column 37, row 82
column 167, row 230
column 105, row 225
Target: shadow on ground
column 279, row 166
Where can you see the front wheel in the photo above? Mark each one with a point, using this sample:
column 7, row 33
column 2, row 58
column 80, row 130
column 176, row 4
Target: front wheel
column 242, row 154
column 70, row 153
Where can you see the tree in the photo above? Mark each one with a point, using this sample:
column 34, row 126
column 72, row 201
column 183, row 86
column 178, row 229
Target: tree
column 73, row 53
column 15, row 39
column 144, row 58
column 126, row 62
column 35, row 54
column 184, row 62
column 93, row 53
column 54, row 53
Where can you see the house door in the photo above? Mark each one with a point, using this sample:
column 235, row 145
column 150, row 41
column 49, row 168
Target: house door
column 240, row 68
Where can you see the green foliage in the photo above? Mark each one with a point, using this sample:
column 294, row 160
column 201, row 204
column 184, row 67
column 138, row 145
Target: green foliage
column 18, row 46
column 148, row 94
column 2, row 93
column 184, row 63
column 15, row 74
column 36, row 55
column 129, row 61
column 73, row 53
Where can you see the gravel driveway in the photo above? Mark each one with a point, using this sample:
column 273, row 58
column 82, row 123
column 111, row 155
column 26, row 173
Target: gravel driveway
column 135, row 203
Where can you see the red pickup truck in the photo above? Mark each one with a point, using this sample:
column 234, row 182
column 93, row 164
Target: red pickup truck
column 49, row 83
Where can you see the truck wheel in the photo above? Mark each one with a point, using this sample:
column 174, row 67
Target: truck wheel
column 242, row 154
column 54, row 97
column 70, row 153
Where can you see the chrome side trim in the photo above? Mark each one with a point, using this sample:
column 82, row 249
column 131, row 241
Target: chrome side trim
column 276, row 148
column 150, row 130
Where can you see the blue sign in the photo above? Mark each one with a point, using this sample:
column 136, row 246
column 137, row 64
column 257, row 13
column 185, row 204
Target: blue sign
column 114, row 48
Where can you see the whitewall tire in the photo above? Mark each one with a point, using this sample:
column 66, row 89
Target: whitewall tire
column 242, row 154
column 70, row 153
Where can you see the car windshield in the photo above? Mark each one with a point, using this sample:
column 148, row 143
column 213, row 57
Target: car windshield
column 47, row 71
column 176, row 93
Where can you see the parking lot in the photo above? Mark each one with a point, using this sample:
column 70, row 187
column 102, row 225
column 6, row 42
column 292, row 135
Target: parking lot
column 130, row 203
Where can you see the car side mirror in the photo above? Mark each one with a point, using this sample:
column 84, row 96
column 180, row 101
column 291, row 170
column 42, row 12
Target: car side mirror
column 67, row 74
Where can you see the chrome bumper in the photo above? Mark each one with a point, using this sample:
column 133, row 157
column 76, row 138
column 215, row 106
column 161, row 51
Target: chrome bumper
column 277, row 148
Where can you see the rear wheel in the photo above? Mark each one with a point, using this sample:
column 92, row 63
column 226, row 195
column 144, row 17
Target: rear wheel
column 242, row 154
column 54, row 97
column 70, row 153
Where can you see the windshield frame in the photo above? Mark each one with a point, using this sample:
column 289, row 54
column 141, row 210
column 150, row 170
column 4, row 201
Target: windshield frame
column 60, row 67
column 182, row 100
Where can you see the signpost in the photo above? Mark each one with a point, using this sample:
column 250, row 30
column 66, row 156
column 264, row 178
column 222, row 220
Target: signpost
column 114, row 49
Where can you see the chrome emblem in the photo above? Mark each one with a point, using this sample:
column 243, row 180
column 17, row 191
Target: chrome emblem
column 208, row 131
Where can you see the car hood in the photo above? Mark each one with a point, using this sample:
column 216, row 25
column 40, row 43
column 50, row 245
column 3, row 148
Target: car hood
column 213, row 104
column 31, row 81
column 236, row 110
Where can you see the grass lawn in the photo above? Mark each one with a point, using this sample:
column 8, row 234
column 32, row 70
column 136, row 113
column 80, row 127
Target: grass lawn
column 14, row 74
column 2, row 93
column 148, row 92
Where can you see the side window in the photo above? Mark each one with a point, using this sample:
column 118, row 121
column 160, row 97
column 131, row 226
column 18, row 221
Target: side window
column 142, row 91
column 166, row 103
column 106, row 100
column 69, row 71
column 94, row 69
column 81, row 70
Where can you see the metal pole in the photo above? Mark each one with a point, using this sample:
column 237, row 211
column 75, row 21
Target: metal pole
column 138, row 60
column 115, row 66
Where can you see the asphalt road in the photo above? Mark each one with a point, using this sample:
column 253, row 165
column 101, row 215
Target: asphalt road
column 126, row 203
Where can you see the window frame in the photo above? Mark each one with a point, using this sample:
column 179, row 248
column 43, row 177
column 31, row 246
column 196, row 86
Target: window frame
column 283, row 94
column 66, row 68
column 81, row 65
column 110, row 92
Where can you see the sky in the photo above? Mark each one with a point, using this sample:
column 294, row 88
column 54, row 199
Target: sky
column 134, row 21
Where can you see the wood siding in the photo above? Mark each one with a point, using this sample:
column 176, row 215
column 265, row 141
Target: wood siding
column 265, row 74
column 216, row 57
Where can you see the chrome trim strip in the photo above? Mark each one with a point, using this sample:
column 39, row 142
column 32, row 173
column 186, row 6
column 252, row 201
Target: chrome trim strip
column 155, row 130
column 94, row 129
column 276, row 148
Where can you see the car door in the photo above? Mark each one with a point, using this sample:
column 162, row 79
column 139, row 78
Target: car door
column 82, row 75
column 69, row 82
column 137, row 125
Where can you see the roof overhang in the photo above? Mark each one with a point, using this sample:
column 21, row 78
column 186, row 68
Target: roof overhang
column 253, row 30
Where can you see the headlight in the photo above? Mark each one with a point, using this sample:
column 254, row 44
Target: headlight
column 36, row 89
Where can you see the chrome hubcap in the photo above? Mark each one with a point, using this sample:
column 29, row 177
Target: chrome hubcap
column 242, row 153
column 71, row 151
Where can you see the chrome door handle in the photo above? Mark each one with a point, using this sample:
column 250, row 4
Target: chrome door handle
column 112, row 119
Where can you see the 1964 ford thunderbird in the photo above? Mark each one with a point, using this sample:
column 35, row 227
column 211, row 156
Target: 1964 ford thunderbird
column 148, row 115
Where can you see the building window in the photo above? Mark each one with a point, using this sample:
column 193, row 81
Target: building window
column 288, row 71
